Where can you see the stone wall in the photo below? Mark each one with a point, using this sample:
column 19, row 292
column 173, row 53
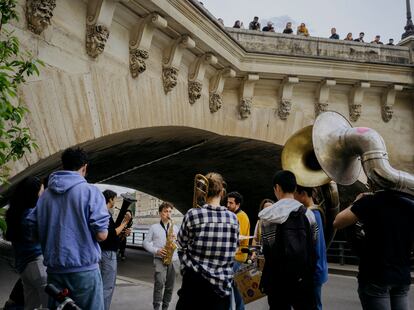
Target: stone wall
column 79, row 98
column 294, row 45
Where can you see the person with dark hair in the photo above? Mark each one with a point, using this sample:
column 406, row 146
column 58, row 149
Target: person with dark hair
column 238, row 24
column 288, row 29
column 257, row 229
column 377, row 40
column 234, row 202
column 387, row 218
column 109, row 247
column 304, row 196
column 123, row 240
column 391, row 42
column 70, row 219
column 360, row 38
column 207, row 240
column 155, row 243
column 254, row 24
column 289, row 231
column 28, row 253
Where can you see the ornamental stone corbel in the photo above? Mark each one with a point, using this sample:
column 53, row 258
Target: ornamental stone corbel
column 285, row 96
column 247, row 90
column 38, row 14
column 388, row 100
column 322, row 96
column 196, row 75
column 217, row 86
column 98, row 21
column 140, row 42
column 356, row 98
column 172, row 59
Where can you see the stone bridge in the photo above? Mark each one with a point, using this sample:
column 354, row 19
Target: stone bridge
column 158, row 90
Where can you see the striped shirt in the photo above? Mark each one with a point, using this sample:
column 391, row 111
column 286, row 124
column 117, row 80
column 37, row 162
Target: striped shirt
column 208, row 239
column 277, row 214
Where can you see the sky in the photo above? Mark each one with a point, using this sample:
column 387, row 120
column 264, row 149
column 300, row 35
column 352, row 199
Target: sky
column 384, row 17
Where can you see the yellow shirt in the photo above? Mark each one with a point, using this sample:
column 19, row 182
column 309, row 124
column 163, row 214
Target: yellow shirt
column 244, row 225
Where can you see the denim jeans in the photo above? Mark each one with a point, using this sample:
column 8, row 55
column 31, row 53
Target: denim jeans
column 108, row 266
column 164, row 279
column 238, row 299
column 383, row 297
column 34, row 279
column 318, row 296
column 85, row 288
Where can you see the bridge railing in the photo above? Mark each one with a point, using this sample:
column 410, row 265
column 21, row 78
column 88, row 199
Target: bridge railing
column 136, row 239
column 340, row 252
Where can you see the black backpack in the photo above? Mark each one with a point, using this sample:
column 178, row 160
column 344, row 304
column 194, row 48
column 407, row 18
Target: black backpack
column 293, row 252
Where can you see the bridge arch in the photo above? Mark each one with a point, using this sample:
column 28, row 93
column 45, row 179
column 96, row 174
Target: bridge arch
column 162, row 161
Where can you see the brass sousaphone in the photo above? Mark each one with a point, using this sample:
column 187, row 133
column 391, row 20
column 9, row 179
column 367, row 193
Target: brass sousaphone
column 298, row 156
column 332, row 149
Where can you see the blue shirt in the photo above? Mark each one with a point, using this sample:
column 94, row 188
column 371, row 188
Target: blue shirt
column 67, row 217
column 25, row 250
column 321, row 272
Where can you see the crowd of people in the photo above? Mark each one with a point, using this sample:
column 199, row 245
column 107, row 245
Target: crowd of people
column 302, row 30
column 65, row 236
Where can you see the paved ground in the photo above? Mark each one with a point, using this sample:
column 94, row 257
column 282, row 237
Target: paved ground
column 134, row 285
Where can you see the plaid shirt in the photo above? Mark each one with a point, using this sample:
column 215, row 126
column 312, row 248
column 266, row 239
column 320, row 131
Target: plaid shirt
column 208, row 238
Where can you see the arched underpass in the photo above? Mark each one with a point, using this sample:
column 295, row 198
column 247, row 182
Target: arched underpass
column 162, row 161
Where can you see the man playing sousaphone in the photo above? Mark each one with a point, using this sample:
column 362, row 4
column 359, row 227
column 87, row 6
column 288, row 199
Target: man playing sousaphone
column 160, row 241
column 208, row 240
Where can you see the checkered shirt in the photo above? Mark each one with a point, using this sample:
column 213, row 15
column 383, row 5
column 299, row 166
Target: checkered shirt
column 208, row 238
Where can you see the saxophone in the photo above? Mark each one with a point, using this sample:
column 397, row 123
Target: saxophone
column 170, row 245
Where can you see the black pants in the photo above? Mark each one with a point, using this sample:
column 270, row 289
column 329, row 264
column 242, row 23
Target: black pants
column 197, row 293
column 288, row 296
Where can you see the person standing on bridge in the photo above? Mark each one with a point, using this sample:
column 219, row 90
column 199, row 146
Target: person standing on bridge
column 109, row 247
column 155, row 241
column 234, row 202
column 387, row 217
column 70, row 219
column 208, row 239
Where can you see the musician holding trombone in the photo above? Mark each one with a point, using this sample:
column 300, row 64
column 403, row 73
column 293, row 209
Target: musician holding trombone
column 208, row 240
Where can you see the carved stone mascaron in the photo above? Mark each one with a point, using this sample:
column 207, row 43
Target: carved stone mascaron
column 194, row 91
column 215, row 102
column 169, row 78
column 137, row 63
column 38, row 14
column 96, row 37
column 245, row 107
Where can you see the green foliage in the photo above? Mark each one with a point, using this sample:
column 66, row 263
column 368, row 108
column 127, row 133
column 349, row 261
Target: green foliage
column 15, row 67
column 3, row 225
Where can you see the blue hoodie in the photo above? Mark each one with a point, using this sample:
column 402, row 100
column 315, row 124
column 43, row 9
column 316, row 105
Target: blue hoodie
column 67, row 217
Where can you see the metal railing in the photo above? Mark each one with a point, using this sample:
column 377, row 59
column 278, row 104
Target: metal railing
column 340, row 252
column 137, row 237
